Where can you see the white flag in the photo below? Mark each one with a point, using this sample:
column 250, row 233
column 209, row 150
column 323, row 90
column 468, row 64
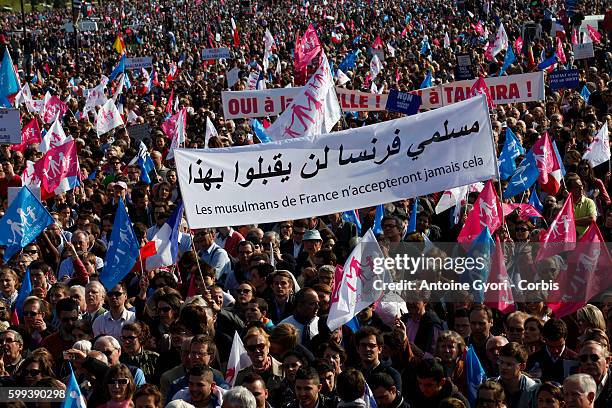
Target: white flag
column 598, row 151
column 356, row 289
column 232, row 76
column 446, row 41
column 314, row 110
column 268, row 40
column 95, row 97
column 375, row 66
column 29, row 177
column 278, row 66
column 210, row 131
column 501, row 41
column 455, row 196
column 391, row 49
column 178, row 137
column 373, row 88
column 24, row 95
column 108, row 118
column 252, row 81
column 54, row 137
column 342, row 77
column 238, row 359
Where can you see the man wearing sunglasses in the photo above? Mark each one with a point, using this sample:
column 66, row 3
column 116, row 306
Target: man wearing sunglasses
column 112, row 322
column 594, row 360
column 67, row 311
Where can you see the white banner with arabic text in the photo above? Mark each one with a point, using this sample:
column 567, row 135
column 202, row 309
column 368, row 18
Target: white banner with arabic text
column 356, row 168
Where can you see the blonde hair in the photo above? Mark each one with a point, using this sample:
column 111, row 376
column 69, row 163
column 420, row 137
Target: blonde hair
column 454, row 337
column 255, row 332
column 592, row 316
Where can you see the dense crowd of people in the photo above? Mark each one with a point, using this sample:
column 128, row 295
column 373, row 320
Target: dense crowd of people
column 163, row 337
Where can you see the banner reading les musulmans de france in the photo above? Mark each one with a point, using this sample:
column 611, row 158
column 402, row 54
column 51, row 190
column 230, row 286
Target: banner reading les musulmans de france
column 298, row 178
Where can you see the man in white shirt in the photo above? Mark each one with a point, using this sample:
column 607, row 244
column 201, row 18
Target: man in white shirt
column 305, row 318
column 111, row 322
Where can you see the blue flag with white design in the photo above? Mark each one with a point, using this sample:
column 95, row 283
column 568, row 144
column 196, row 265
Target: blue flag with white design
column 511, row 150
column 380, row 213
column 74, row 396
column 368, row 398
column 352, row 216
column 585, row 93
column 24, row 292
column 145, row 163
column 427, row 82
column 534, row 200
column 523, row 178
column 475, row 375
column 123, row 249
column 413, row 215
column 508, row 60
column 23, row 221
column 260, row 131
column 8, row 79
column 119, row 69
column 482, row 247
column 348, row 63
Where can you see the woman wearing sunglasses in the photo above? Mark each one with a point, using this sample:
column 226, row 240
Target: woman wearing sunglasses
column 119, row 387
column 33, row 368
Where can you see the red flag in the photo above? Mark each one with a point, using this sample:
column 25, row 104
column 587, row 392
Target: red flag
column 518, row 45
column 377, row 44
column 548, row 164
column 561, row 236
column 588, row 273
column 594, row 34
column 502, row 298
column 29, row 134
column 487, row 212
column 530, row 59
column 236, row 38
column 57, row 164
column 480, row 87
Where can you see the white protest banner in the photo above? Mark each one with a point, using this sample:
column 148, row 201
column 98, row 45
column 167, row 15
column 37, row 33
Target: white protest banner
column 215, row 53
column 271, row 102
column 584, row 51
column 10, row 126
column 138, row 63
column 355, row 168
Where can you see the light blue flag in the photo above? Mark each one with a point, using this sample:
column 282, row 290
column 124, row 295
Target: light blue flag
column 585, row 93
column 23, row 221
column 348, row 63
column 428, row 81
column 24, row 292
column 413, row 215
column 547, row 62
column 534, row 200
column 260, row 131
column 511, row 150
column 74, row 396
column 8, row 79
column 123, row 249
column 356, row 40
column 368, row 398
column 508, row 60
column 425, row 47
column 380, row 213
column 119, row 69
column 482, row 247
column 475, row 375
column 352, row 216
column 523, row 178
column 353, row 324
column 144, row 162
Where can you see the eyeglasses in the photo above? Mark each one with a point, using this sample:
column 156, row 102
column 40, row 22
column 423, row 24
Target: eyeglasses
column 243, row 291
column 129, row 338
column 8, row 341
column 255, row 347
column 31, row 373
column 30, row 251
column 118, row 381
column 584, row 358
column 30, row 314
column 115, row 294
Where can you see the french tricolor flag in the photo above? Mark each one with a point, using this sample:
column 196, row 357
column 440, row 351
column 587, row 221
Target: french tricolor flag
column 166, row 242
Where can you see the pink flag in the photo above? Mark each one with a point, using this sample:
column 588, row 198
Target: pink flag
column 548, row 164
column 478, row 27
column 377, row 43
column 52, row 107
column 405, row 31
column 502, row 298
column 170, row 125
column 487, row 212
column 29, row 134
column 561, row 236
column 587, row 274
column 307, row 48
column 525, row 210
column 594, row 34
column 488, row 52
column 169, row 104
column 480, row 87
column 57, row 164
column 179, row 133
column 574, row 37
column 560, row 53
column 518, row 45
column 397, row 75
